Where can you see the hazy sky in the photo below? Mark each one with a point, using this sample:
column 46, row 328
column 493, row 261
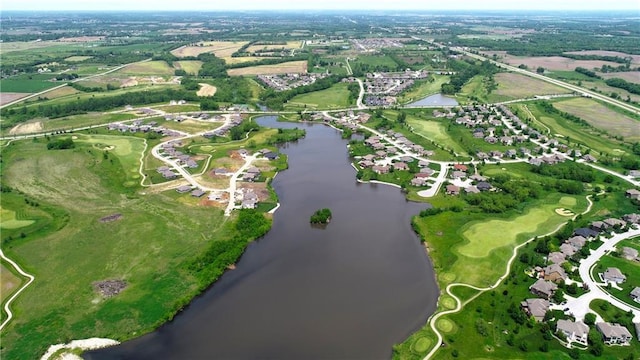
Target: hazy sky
column 318, row 4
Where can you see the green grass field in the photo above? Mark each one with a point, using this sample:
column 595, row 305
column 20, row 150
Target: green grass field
column 436, row 131
column 76, row 121
column 483, row 237
column 190, row 66
column 9, row 282
column 423, row 88
column 148, row 68
column 335, row 97
column 601, row 117
column 376, row 60
column 8, row 220
column 28, row 83
column 148, row 247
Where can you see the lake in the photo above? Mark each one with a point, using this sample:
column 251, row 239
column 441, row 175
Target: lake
column 435, row 100
column 349, row 291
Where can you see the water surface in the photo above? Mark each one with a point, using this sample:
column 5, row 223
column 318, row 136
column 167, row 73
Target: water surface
column 349, row 291
column 435, row 100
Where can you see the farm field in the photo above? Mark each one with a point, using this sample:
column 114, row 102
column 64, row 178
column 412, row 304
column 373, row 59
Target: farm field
column 90, row 187
column 601, row 117
column 635, row 59
column 26, row 85
column 517, row 86
column 60, row 92
column 374, row 60
column 288, row 45
column 600, row 86
column 78, row 58
column 157, row 68
column 555, row 62
column 436, row 131
column 190, row 66
column 7, row 97
column 335, row 97
column 298, row 67
column 630, row 76
column 221, row 49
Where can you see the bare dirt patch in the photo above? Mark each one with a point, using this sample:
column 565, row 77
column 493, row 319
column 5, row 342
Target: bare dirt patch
column 564, row 212
column 521, row 86
column 26, row 128
column 111, row 218
column 206, row 90
column 292, row 67
column 7, row 97
column 129, row 82
column 555, row 62
column 109, row 288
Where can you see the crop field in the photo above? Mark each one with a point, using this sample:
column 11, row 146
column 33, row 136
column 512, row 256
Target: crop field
column 147, row 248
column 601, row 117
column 635, row 59
column 436, row 131
column 600, row 86
column 297, row 67
column 630, row 76
column 60, row 92
column 8, row 47
column 517, row 86
column 335, row 97
column 78, row 58
column 158, row 68
column 28, row 83
column 81, row 120
column 288, row 45
column 221, row 49
column 7, row 97
column 190, row 66
column 555, row 62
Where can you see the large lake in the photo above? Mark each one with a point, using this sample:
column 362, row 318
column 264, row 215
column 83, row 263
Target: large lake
column 350, row 291
column 435, row 100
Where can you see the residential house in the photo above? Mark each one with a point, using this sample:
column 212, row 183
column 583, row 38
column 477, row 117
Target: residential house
column 183, row 189
column 567, row 250
column 585, row 233
column 544, row 289
column 197, row 193
column 635, row 294
column 484, row 186
column 419, row 181
column 632, row 194
column 460, row 167
column 615, row 223
column 599, row 226
column 471, row 190
column 577, row 242
column 632, row 218
column 378, row 169
column 400, row 166
column 271, row 155
column 458, row 174
column 555, row 273
column 629, row 253
column 589, row 158
column 613, row 275
column 556, row 257
column 453, row 190
column 614, row 334
column 536, row 308
column 573, row 331
column 634, row 173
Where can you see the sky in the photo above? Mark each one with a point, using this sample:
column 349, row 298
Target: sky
column 159, row 5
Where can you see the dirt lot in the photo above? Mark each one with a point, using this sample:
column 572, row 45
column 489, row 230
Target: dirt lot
column 635, row 59
column 206, row 90
column 7, row 97
column 26, row 128
column 630, row 76
column 555, row 62
column 220, row 48
column 521, row 86
column 297, row 67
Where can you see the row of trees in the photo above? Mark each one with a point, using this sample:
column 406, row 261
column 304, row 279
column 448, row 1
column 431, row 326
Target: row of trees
column 464, row 72
column 624, row 84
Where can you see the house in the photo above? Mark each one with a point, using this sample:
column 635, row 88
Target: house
column 556, row 257
column 634, row 173
column 249, row 204
column 471, row 190
column 544, row 289
column 458, row 174
column 169, row 175
column 573, row 331
column 615, row 223
column 419, row 181
column 577, row 242
column 250, row 177
column 460, row 167
column 613, row 334
column 632, row 194
column 484, row 186
column 585, row 233
column 589, row 158
column 183, row 189
column 271, row 155
column 632, row 218
column 614, row 275
column 400, row 166
column 629, row 253
column 453, row 190
column 197, row 193
column 536, row 308
column 599, row 226
column 635, row 294
column 380, row 169
column 222, row 172
column 554, row 272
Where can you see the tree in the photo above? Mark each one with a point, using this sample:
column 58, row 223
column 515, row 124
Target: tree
column 558, row 296
column 590, row 319
column 540, row 70
column 402, row 117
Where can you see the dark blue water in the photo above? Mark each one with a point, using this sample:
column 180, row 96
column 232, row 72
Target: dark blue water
column 349, row 291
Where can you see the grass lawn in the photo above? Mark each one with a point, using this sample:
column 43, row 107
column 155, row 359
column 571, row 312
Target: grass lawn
column 630, row 269
column 148, row 248
column 423, row 88
column 30, row 84
column 190, row 66
column 602, row 117
column 377, row 60
column 9, row 282
column 148, row 68
column 335, row 97
column 518, row 86
column 76, row 121
column 436, row 131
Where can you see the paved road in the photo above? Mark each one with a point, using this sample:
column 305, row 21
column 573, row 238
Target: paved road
column 360, row 96
column 579, row 307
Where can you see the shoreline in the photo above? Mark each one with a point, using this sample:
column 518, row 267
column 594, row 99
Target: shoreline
column 63, row 351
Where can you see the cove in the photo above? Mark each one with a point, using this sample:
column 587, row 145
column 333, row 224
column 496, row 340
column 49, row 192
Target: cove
column 349, row 291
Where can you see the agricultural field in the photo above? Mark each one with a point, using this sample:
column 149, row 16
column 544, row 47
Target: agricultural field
column 206, row 90
column 190, row 66
column 78, row 58
column 7, row 97
column 221, row 49
column 60, row 92
column 517, row 86
column 603, row 88
column 630, row 76
column 335, row 97
column 288, row 45
column 374, row 60
column 555, row 62
column 635, row 59
column 602, row 117
column 147, row 68
column 295, row 67
column 29, row 83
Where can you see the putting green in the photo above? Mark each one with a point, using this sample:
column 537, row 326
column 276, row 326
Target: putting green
column 568, row 201
column 485, row 236
column 445, row 325
column 422, row 345
column 8, row 220
column 206, row 148
column 448, row 302
column 121, row 146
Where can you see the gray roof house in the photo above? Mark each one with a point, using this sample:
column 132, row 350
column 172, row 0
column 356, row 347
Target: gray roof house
column 544, row 289
column 536, row 308
column 567, row 249
column 613, row 334
column 613, row 275
column 554, row 272
column 556, row 257
column 577, row 242
column 573, row 331
column 635, row 295
column 629, row 253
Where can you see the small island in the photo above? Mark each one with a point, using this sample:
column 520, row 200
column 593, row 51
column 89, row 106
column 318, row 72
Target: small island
column 322, row 216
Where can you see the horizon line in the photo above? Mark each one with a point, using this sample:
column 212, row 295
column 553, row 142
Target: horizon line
column 334, row 9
